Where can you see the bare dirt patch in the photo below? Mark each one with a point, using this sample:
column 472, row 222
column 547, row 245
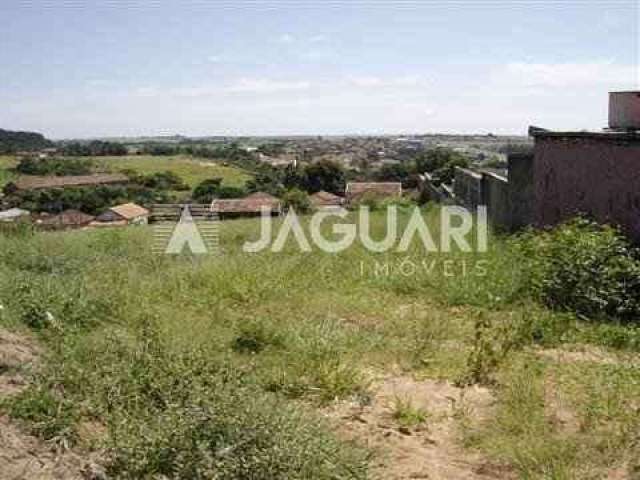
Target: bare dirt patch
column 17, row 354
column 557, row 408
column 23, row 456
column 26, row 457
column 430, row 450
column 586, row 353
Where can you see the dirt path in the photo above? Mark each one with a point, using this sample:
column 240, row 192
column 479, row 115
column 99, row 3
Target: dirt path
column 23, row 456
column 430, row 451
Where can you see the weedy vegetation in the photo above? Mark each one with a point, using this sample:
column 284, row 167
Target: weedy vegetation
column 218, row 367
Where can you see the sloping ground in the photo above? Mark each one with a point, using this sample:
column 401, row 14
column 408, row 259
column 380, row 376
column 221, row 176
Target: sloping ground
column 23, row 456
column 428, row 451
column 191, row 170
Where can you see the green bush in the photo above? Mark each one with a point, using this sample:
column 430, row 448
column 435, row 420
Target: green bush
column 254, row 336
column 50, row 416
column 31, row 165
column 298, row 200
column 588, row 269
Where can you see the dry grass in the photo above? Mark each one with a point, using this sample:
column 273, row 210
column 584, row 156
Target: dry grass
column 143, row 341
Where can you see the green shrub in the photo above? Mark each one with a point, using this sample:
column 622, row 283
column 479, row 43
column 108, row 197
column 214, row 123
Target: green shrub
column 298, row 200
column 50, row 416
column 406, row 414
column 195, row 419
column 32, row 165
column 43, row 301
column 588, row 269
column 254, row 336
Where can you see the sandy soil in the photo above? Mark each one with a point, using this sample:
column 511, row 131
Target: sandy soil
column 23, row 456
column 429, row 451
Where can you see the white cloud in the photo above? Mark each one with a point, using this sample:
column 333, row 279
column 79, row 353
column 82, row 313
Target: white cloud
column 264, row 85
column 379, row 82
column 215, row 58
column 146, row 91
column 317, row 38
column 464, row 98
column 286, row 38
column 553, row 75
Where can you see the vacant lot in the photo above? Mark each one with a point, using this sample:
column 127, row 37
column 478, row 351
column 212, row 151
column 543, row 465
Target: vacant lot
column 313, row 365
column 191, row 170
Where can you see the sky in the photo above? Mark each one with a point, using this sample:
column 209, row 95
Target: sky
column 73, row 69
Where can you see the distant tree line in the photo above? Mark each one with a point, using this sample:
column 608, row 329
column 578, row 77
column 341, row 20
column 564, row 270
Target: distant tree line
column 31, row 165
column 166, row 180
column 211, row 189
column 143, row 189
column 12, row 142
column 91, row 200
column 95, row 148
column 324, row 175
column 272, row 149
column 440, row 162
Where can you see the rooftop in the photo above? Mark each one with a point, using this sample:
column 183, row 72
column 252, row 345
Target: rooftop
column 326, row 198
column 633, row 135
column 251, row 204
column 35, row 182
column 68, row 218
column 130, row 211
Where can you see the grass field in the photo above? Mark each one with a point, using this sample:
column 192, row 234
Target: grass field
column 7, row 162
column 193, row 171
column 230, row 365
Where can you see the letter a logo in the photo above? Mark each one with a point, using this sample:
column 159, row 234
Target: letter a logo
column 186, row 233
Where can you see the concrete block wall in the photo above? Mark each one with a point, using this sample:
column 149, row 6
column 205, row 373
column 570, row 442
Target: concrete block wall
column 597, row 175
column 521, row 194
column 437, row 193
column 495, row 195
column 467, row 187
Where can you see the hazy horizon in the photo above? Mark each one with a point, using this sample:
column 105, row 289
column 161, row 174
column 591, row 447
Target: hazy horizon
column 278, row 68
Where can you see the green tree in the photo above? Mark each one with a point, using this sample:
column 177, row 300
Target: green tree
column 298, row 200
column 212, row 188
column 324, row 175
column 31, row 165
column 441, row 163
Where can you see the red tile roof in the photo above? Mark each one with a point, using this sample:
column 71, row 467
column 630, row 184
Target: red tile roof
column 68, row 218
column 323, row 199
column 251, row 204
column 130, row 211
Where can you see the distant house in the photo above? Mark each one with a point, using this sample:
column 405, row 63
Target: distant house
column 14, row 215
column 35, row 182
column 47, row 152
column 357, row 191
column 324, row 200
column 66, row 219
column 247, row 206
column 125, row 214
